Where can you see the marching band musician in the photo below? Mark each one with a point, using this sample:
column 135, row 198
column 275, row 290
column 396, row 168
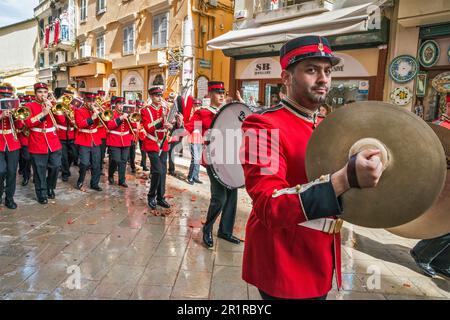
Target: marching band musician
column 66, row 134
column 153, row 121
column 102, row 130
column 292, row 244
column 9, row 150
column 141, row 136
column 222, row 199
column 24, row 158
column 132, row 153
column 118, row 142
column 87, row 137
column 44, row 145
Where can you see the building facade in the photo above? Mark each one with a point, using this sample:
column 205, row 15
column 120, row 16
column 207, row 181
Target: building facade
column 55, row 41
column 129, row 46
column 17, row 65
column 420, row 33
column 358, row 33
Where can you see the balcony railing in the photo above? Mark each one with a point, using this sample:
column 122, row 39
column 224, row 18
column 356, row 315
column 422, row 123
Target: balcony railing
column 272, row 10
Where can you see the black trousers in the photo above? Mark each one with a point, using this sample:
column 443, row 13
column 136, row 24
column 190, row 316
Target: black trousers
column 158, row 171
column 45, row 169
column 118, row 157
column 172, row 148
column 9, row 161
column 435, row 252
column 143, row 155
column 132, row 155
column 90, row 157
column 69, row 154
column 222, row 200
column 25, row 162
column 265, row 296
column 102, row 153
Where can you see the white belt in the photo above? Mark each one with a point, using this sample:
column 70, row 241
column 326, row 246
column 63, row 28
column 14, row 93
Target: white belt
column 64, row 128
column 87, row 130
column 6, row 131
column 326, row 225
column 43, row 130
column 119, row 133
column 151, row 137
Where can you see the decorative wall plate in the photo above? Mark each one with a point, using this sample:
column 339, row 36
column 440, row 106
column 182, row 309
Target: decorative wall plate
column 429, row 53
column 441, row 83
column 448, row 54
column 403, row 68
column 401, row 96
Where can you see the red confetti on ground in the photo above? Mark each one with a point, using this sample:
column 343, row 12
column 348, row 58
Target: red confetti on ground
column 195, row 223
column 169, row 196
column 407, row 285
column 70, row 221
column 193, row 198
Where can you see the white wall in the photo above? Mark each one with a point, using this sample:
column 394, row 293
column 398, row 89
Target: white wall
column 18, row 46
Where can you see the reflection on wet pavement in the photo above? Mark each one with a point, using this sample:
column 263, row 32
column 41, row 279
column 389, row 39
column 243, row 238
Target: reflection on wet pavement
column 126, row 251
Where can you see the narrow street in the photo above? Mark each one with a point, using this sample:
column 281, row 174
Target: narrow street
column 127, row 251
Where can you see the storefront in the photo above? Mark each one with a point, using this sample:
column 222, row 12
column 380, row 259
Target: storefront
column 360, row 40
column 433, row 79
column 354, row 79
column 133, row 84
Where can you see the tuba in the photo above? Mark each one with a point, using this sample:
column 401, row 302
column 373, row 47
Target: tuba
column 22, row 113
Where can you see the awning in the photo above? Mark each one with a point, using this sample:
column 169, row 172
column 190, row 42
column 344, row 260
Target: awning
column 341, row 21
column 82, row 61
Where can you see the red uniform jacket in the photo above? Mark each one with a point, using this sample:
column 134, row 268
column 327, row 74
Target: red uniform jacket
column 119, row 134
column 66, row 130
column 7, row 139
column 87, row 134
column 43, row 136
column 153, row 123
column 200, row 123
column 23, row 135
column 282, row 258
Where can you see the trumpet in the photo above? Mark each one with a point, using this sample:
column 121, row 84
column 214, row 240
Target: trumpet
column 62, row 107
column 135, row 117
column 49, row 104
column 103, row 115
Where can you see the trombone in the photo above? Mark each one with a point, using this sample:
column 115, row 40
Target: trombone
column 133, row 119
column 104, row 115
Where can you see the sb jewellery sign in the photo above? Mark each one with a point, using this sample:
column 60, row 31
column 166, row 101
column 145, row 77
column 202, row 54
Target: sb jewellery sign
column 262, row 68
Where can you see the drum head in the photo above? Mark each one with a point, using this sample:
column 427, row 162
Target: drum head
column 225, row 138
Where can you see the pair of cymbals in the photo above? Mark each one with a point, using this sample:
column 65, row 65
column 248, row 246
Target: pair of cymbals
column 435, row 221
column 414, row 158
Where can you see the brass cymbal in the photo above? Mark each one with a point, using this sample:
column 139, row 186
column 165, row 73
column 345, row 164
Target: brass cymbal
column 415, row 172
column 435, row 221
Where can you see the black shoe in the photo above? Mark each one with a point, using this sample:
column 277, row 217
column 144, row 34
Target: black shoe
column 123, row 185
column 43, row 200
column 51, row 194
column 425, row 267
column 65, row 179
column 111, row 180
column 10, row 204
column 79, row 185
column 208, row 239
column 96, row 188
column 145, row 168
column 441, row 272
column 151, row 202
column 163, row 203
column 229, row 238
column 198, row 181
column 172, row 173
column 25, row 181
column 190, row 181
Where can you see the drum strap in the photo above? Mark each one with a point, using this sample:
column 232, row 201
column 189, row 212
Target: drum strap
column 351, row 172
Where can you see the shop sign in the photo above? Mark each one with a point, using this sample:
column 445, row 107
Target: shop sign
column 133, row 82
column 173, row 68
column 348, row 67
column 262, row 68
column 363, row 87
column 205, row 64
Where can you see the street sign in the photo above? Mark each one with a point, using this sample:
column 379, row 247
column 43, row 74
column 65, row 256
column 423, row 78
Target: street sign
column 206, row 64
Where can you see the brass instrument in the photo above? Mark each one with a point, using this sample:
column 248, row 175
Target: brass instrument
column 50, row 105
column 135, row 117
column 104, row 115
column 62, row 107
column 21, row 113
column 129, row 124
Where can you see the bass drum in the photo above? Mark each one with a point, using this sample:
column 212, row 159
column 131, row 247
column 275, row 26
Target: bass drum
column 225, row 138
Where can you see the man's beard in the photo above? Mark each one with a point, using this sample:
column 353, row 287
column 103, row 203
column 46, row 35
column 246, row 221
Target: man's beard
column 309, row 94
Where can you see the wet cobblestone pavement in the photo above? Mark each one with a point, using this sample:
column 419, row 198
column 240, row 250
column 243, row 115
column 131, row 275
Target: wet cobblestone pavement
column 127, row 251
